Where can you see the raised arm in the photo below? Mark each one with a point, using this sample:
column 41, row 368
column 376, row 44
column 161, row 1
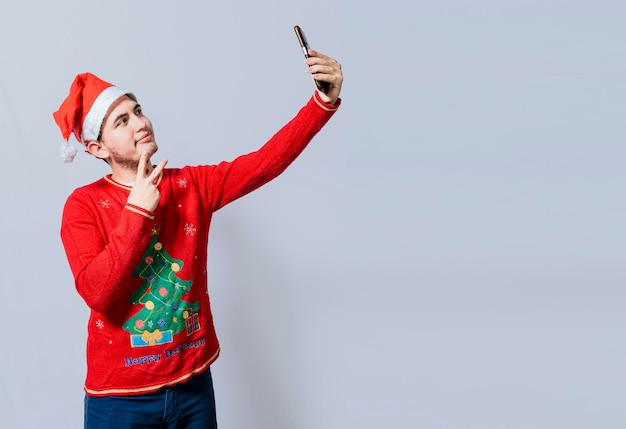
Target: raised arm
column 231, row 180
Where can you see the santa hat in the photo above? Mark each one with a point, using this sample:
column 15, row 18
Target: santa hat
column 84, row 110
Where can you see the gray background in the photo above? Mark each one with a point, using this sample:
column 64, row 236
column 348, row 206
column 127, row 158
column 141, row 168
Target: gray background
column 447, row 254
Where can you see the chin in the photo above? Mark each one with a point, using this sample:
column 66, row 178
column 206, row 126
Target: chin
column 151, row 148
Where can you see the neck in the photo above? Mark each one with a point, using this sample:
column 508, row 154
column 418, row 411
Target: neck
column 127, row 174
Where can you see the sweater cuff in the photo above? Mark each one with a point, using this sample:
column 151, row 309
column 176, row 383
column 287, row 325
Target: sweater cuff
column 324, row 105
column 140, row 210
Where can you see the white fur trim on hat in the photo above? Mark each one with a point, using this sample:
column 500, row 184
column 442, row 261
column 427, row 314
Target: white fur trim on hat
column 93, row 120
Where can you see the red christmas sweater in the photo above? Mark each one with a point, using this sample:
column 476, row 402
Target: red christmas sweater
column 144, row 274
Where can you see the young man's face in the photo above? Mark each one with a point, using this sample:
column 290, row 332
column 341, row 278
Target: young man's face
column 126, row 134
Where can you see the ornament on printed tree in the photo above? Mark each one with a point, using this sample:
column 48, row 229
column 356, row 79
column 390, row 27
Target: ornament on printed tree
column 163, row 312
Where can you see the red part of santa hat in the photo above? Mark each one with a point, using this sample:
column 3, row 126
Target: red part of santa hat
column 86, row 106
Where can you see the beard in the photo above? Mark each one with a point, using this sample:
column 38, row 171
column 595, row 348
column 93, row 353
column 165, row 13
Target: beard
column 130, row 163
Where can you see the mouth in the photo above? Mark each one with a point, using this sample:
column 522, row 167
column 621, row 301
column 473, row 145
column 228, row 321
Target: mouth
column 147, row 138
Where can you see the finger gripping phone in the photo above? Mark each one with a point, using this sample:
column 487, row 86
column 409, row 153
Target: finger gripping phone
column 321, row 85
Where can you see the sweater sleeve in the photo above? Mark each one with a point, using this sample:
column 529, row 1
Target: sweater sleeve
column 232, row 180
column 102, row 265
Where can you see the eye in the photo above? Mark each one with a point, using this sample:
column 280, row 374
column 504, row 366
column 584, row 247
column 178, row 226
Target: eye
column 138, row 111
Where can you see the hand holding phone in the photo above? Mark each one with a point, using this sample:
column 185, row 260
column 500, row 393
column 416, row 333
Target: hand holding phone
column 322, row 86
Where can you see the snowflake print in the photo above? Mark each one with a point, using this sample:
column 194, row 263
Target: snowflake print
column 189, row 229
column 99, row 324
column 182, row 182
column 150, row 324
column 105, row 204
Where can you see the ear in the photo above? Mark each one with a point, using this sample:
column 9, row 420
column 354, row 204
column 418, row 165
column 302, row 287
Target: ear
column 97, row 149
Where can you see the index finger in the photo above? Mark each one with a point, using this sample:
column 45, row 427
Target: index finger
column 314, row 53
column 319, row 58
column 141, row 167
column 157, row 170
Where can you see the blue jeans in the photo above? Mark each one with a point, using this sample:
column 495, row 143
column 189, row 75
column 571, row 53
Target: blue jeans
column 189, row 405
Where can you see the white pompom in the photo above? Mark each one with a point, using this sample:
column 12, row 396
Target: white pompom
column 68, row 152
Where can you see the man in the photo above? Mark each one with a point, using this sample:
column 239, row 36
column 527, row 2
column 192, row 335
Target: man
column 136, row 241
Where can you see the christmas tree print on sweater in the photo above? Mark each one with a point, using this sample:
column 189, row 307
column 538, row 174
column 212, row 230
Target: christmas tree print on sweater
column 163, row 313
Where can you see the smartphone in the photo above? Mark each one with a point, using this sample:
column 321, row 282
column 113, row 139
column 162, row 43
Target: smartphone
column 322, row 86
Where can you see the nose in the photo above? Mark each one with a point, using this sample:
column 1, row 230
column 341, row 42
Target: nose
column 140, row 122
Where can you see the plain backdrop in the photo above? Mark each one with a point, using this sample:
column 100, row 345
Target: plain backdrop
column 448, row 253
